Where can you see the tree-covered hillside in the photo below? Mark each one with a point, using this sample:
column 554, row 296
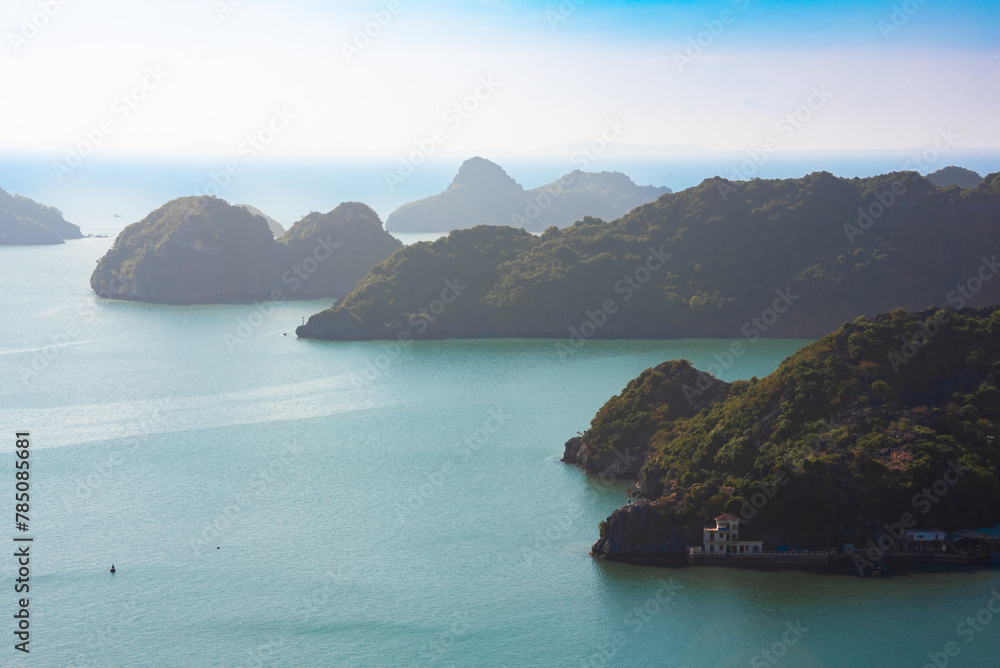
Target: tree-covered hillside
column 783, row 258
column 848, row 434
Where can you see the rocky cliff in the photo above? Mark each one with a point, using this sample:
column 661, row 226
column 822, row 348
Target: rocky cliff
column 884, row 419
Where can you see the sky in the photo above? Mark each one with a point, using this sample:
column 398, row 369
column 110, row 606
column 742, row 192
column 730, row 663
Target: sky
column 302, row 78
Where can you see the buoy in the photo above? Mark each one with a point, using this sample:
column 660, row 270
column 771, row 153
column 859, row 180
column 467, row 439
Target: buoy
column 112, row 568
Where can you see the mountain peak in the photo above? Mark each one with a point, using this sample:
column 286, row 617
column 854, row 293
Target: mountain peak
column 479, row 172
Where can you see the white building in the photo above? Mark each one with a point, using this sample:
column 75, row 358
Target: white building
column 918, row 540
column 725, row 538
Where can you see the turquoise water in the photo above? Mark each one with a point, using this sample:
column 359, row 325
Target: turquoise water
column 371, row 505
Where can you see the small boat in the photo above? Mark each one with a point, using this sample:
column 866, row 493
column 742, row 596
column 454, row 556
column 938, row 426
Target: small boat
column 879, row 569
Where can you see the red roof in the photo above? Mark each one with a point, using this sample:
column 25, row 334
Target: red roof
column 727, row 518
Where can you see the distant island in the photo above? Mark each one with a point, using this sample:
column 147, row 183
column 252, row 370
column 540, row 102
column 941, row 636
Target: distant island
column 25, row 222
column 482, row 193
column 955, row 176
column 854, row 440
column 202, row 250
column 789, row 258
column 277, row 229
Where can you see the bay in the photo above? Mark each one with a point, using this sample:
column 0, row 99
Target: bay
column 282, row 502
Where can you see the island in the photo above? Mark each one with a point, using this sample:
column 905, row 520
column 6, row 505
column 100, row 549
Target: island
column 202, row 250
column 790, row 258
column 955, row 176
column 874, row 444
column 482, row 193
column 25, row 222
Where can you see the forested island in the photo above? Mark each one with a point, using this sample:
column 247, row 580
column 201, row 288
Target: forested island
column 884, row 419
column 25, row 222
column 202, row 250
column 789, row 258
column 482, row 193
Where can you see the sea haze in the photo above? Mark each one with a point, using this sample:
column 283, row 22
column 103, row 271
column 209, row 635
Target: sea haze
column 99, row 189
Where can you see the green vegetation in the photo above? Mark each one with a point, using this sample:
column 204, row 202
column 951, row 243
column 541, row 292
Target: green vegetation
column 198, row 250
column 839, row 440
column 26, row 222
column 735, row 248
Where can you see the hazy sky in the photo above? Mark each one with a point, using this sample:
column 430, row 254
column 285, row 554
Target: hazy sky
column 879, row 75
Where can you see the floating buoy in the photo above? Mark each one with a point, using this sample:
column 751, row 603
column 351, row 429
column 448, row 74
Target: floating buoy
column 112, row 568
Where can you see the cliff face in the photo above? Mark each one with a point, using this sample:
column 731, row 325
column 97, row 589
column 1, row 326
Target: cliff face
column 201, row 250
column 786, row 258
column 26, row 222
column 846, row 437
column 482, row 193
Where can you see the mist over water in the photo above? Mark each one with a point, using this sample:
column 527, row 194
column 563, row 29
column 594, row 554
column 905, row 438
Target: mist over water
column 93, row 194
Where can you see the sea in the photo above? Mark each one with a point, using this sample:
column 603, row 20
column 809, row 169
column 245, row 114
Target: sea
column 270, row 501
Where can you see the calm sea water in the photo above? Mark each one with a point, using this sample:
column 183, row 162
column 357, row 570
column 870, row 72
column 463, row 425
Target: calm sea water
column 293, row 503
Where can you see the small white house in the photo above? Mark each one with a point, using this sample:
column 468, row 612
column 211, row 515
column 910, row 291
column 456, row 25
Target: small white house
column 725, row 538
column 922, row 540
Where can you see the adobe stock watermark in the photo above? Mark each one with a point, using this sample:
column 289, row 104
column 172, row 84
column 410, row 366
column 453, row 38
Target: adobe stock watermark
column 899, row 17
column 270, row 647
column 262, row 479
column 34, row 23
column 969, row 629
column 751, row 329
column 774, row 654
column 563, row 11
column 786, row 127
column 922, row 501
column 224, row 7
column 441, row 642
column 45, row 356
column 559, row 522
column 365, row 35
column 249, row 149
column 293, row 278
column 886, row 199
column 104, row 471
column 582, row 159
column 699, row 43
column 779, row 478
column 958, row 298
column 454, row 118
column 629, row 284
column 462, row 451
column 420, row 322
column 121, row 109
column 606, row 654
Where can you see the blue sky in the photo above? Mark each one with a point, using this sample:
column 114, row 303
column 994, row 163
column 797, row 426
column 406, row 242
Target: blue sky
column 560, row 72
